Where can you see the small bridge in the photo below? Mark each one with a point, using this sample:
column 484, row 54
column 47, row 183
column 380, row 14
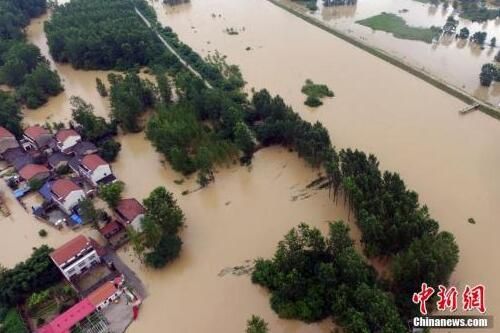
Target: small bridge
column 469, row 108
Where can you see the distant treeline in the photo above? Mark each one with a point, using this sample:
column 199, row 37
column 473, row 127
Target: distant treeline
column 21, row 64
column 310, row 276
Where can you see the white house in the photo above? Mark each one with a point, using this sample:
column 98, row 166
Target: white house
column 76, row 256
column 94, row 168
column 67, row 139
column 66, row 194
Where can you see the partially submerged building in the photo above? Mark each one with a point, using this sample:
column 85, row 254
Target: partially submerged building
column 32, row 172
column 36, row 138
column 66, row 194
column 66, row 139
column 130, row 212
column 93, row 168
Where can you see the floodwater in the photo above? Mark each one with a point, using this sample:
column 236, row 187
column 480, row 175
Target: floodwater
column 456, row 61
column 451, row 160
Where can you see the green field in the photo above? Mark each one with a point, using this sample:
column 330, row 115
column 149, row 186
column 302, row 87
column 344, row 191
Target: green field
column 397, row 26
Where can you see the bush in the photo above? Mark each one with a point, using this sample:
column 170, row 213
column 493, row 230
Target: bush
column 43, row 233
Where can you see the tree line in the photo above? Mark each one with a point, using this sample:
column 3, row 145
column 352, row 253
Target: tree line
column 36, row 273
column 21, row 64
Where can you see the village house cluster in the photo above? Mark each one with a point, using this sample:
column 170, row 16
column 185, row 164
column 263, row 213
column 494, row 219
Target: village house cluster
column 61, row 170
column 105, row 302
column 51, row 175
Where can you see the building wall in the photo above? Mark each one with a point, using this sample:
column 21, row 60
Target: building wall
column 69, row 142
column 71, row 201
column 100, row 172
column 8, row 143
column 136, row 223
column 108, row 301
column 81, row 265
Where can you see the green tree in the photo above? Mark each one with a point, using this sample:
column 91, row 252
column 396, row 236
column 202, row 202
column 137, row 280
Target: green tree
column 164, row 89
column 93, row 127
column 464, row 33
column 256, row 325
column 157, row 242
column 112, row 193
column 109, row 150
column 244, row 140
column 10, row 114
column 488, row 74
column 88, row 211
column 130, row 96
column 430, row 259
column 101, row 88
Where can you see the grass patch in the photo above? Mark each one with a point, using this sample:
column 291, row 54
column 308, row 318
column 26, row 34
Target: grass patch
column 397, row 26
column 315, row 92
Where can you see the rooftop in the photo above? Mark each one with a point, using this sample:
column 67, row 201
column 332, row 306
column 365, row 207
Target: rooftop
column 63, row 187
column 102, row 293
column 4, row 133
column 84, row 147
column 110, row 228
column 70, row 249
column 93, row 161
column 31, row 170
column 130, row 208
column 35, row 131
column 65, row 321
column 57, row 158
column 65, row 133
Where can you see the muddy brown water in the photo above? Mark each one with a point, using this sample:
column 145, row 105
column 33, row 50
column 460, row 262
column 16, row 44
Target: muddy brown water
column 456, row 61
column 451, row 161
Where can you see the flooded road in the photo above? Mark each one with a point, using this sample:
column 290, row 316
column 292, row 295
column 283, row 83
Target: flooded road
column 412, row 127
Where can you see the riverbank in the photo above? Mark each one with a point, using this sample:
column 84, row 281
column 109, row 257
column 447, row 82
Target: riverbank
column 427, row 77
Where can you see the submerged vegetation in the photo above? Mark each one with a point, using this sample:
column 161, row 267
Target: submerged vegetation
column 157, row 242
column 315, row 92
column 397, row 26
column 21, row 64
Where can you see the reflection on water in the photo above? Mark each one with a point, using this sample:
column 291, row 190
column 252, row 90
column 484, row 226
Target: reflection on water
column 457, row 61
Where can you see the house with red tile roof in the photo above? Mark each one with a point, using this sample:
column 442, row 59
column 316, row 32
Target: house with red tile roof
column 67, row 320
column 130, row 212
column 96, row 170
column 95, row 301
column 36, row 138
column 106, row 294
column 66, row 194
column 34, row 171
column 7, row 140
column 67, row 139
column 76, row 256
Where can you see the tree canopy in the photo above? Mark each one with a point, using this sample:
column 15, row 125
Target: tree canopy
column 157, row 242
column 21, row 64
